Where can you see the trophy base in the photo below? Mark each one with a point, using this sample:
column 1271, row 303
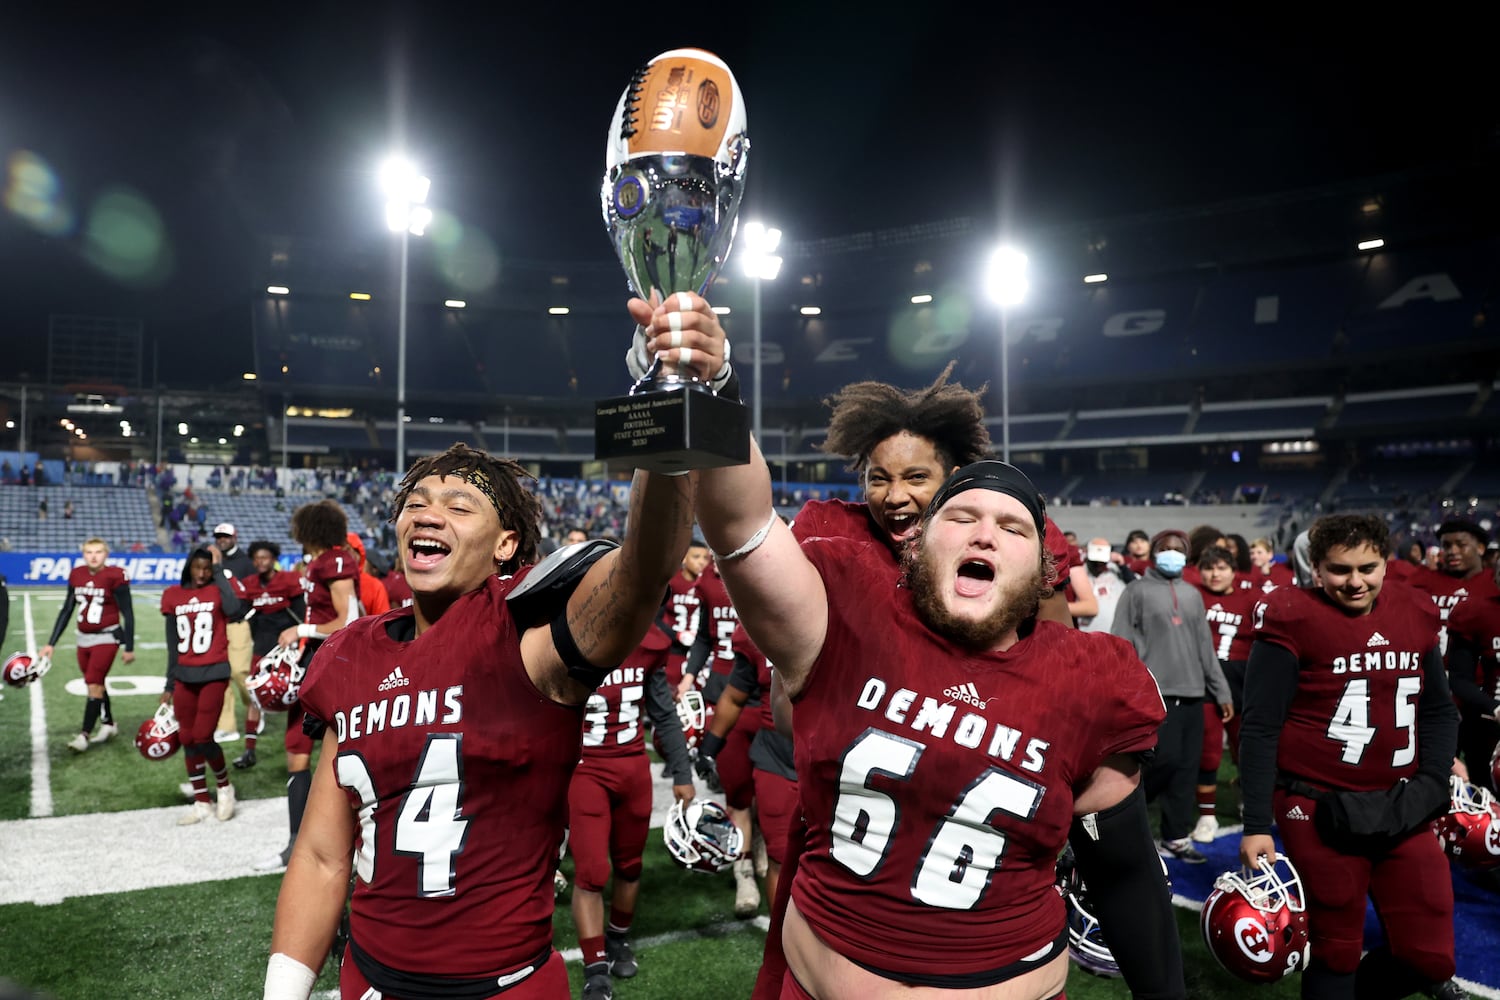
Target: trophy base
column 672, row 430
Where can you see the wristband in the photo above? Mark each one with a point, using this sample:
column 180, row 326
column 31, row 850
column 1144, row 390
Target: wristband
column 754, row 541
column 711, row 746
column 288, row 979
column 306, row 631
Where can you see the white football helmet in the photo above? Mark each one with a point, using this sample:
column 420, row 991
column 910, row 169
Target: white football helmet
column 702, row 837
column 692, row 712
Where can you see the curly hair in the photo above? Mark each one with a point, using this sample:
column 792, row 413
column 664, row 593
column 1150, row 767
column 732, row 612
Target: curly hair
column 321, row 524
column 1347, row 531
column 950, row 416
column 500, row 480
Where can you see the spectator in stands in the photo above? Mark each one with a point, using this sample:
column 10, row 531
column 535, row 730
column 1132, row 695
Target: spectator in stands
column 1108, row 576
column 67, row 510
column 574, row 536
column 1265, row 571
column 7, row 472
column 1163, row 617
column 41, row 509
column 237, row 561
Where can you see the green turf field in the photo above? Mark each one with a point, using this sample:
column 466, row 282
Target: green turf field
column 210, row 939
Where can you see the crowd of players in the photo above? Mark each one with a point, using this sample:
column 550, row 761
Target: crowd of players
column 905, row 726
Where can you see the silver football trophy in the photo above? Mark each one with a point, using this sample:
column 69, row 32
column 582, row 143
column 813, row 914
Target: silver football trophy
column 674, row 174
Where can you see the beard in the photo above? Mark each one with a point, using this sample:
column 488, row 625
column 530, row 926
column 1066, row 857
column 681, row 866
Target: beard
column 1019, row 598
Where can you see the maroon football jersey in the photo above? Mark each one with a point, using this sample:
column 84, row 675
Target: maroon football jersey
column 717, row 613
column 268, row 597
column 458, row 768
column 94, row 596
column 318, row 578
column 612, row 717
column 397, row 589
column 1353, row 722
column 681, row 610
column 197, row 623
column 1477, row 622
column 938, row 783
column 1229, row 621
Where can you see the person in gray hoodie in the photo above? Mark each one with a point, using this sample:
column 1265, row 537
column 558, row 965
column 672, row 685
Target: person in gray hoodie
column 1163, row 617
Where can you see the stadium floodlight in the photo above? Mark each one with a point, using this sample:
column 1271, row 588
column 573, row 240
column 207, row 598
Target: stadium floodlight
column 406, row 191
column 760, row 264
column 1374, row 244
column 1095, row 279
column 455, row 303
column 1006, row 280
column 921, row 300
column 278, row 290
column 557, row 310
column 811, row 310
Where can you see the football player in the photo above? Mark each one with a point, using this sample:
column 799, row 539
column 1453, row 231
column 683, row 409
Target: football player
column 198, row 612
column 945, row 741
column 98, row 599
column 237, row 561
column 277, row 604
column 451, row 729
column 1460, row 575
column 329, row 579
column 1228, row 608
column 609, row 806
column 1346, row 745
column 1474, row 674
column 679, row 611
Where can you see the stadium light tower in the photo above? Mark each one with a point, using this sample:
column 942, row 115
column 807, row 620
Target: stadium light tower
column 760, row 264
column 405, row 213
column 1005, row 280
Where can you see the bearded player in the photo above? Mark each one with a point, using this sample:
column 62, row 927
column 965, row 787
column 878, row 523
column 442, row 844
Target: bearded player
column 1346, row 697
column 451, row 729
column 98, row 599
column 945, row 740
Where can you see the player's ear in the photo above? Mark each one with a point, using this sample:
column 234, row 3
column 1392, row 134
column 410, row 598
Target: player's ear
column 506, row 545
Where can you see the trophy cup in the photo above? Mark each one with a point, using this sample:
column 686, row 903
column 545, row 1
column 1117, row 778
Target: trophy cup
column 674, row 173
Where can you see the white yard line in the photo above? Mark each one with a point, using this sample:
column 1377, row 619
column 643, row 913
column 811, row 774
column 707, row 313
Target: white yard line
column 41, row 766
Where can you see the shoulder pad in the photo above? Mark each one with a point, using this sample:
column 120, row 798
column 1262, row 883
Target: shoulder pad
column 544, row 593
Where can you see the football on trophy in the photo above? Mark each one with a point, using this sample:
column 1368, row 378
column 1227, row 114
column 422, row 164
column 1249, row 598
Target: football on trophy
column 684, row 101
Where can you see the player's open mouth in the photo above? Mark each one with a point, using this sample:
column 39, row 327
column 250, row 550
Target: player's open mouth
column 974, row 577
column 424, row 553
column 900, row 525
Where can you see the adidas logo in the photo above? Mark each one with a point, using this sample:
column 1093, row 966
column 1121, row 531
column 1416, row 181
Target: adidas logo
column 1377, row 640
column 968, row 694
column 394, row 679
column 1296, row 813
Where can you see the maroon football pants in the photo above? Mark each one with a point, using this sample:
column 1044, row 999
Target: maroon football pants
column 609, row 818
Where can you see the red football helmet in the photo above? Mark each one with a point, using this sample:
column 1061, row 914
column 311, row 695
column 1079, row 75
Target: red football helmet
column 20, row 669
column 1470, row 832
column 278, row 673
column 702, row 837
column 1256, row 925
column 157, row 738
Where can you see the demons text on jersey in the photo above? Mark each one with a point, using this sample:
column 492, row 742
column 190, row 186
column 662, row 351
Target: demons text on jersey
column 972, row 731
column 419, row 708
column 1377, row 659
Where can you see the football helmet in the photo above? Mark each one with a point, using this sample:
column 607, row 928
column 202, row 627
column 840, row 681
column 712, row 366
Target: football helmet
column 702, row 837
column 1256, row 923
column 20, row 669
column 1086, row 944
column 1495, row 767
column 692, row 712
column 157, row 738
column 1470, row 831
column 276, row 678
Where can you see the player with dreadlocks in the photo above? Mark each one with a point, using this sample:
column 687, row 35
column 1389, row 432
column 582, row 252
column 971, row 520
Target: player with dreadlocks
column 451, row 728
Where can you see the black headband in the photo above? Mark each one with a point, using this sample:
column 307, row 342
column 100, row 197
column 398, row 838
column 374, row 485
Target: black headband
column 1000, row 477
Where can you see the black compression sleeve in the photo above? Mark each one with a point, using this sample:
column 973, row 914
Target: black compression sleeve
column 1118, row 861
column 1437, row 739
column 127, row 617
column 1270, row 686
column 171, row 624
column 668, row 727
column 1463, row 658
column 63, row 616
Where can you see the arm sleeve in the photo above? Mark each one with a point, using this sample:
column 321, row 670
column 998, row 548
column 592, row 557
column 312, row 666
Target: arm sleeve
column 298, row 607
column 4, row 606
column 234, row 607
column 171, row 626
column 1463, row 659
column 697, row 655
column 668, row 727
column 742, row 676
column 1437, row 741
column 1119, row 864
column 63, row 615
column 127, row 617
column 1270, row 686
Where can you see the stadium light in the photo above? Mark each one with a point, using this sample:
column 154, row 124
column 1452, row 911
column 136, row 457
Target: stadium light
column 1005, row 279
column 811, row 310
column 760, row 264
column 455, row 303
column 278, row 290
column 406, row 213
column 1374, row 244
column 1095, row 279
column 921, row 300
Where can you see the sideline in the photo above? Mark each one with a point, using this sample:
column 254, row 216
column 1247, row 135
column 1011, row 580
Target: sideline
column 41, row 765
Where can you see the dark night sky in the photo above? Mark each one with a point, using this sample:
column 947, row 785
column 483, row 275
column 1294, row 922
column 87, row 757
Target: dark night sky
column 237, row 126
